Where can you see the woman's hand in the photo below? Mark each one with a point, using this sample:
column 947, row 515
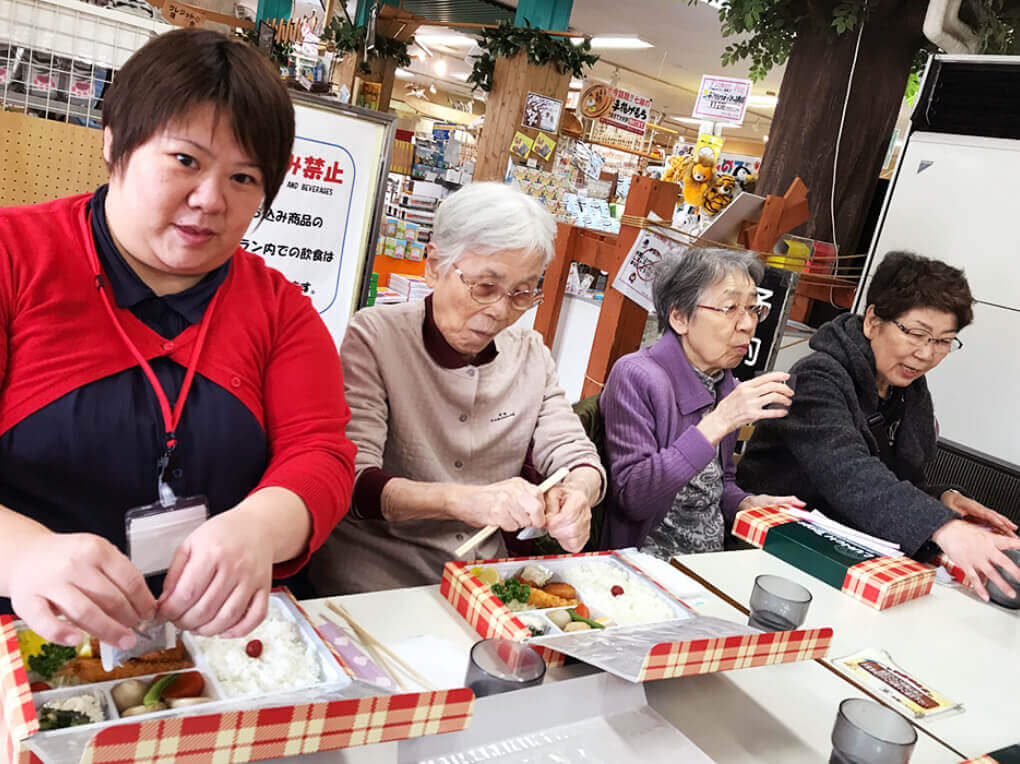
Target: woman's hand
column 84, row 578
column 568, row 507
column 511, row 504
column 977, row 512
column 977, row 551
column 747, row 404
column 764, row 500
column 219, row 580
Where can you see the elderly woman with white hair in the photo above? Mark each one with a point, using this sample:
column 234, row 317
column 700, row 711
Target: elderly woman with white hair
column 672, row 410
column 446, row 400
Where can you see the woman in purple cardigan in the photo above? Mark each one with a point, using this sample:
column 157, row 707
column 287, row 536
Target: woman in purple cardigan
column 672, row 410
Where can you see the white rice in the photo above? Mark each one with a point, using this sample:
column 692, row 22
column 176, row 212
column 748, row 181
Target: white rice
column 286, row 662
column 86, row 703
column 639, row 603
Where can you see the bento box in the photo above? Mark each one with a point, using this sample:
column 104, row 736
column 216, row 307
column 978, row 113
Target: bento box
column 880, row 582
column 280, row 691
column 628, row 624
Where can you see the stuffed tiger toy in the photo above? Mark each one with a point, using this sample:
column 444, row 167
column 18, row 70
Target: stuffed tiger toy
column 719, row 195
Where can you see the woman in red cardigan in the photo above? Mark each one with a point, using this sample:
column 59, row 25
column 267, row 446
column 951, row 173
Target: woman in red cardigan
column 149, row 362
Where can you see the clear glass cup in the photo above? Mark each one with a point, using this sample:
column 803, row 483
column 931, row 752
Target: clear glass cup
column 867, row 732
column 778, row 604
column 501, row 665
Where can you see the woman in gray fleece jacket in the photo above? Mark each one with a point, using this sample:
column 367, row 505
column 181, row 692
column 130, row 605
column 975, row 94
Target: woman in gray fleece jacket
column 862, row 426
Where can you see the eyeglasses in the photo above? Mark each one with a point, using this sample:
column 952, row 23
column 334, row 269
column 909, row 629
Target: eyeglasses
column 758, row 312
column 919, row 338
column 485, row 293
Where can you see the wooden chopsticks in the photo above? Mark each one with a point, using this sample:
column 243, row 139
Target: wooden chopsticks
column 381, row 654
column 488, row 530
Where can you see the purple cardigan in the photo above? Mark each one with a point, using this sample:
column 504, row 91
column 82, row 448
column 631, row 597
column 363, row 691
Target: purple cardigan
column 650, row 405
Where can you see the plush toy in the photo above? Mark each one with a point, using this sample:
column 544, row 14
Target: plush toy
column 675, row 170
column 746, row 181
column 697, row 176
column 718, row 197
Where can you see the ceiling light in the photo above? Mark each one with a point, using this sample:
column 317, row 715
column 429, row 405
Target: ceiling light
column 763, row 100
column 462, row 76
column 623, row 43
column 440, row 67
column 453, row 39
column 764, row 139
column 404, row 74
column 424, row 47
column 576, row 84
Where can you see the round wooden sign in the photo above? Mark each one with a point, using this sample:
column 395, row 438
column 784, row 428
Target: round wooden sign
column 596, row 101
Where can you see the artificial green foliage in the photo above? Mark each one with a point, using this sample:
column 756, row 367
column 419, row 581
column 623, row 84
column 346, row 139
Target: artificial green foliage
column 348, row 38
column 770, row 27
column 541, row 48
column 281, row 51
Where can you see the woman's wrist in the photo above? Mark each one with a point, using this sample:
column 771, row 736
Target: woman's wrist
column 713, row 430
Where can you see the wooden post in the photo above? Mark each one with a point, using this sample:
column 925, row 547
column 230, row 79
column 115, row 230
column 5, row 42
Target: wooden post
column 344, row 72
column 547, row 314
column 512, row 79
column 621, row 321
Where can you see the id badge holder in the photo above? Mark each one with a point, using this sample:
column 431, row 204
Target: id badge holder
column 156, row 530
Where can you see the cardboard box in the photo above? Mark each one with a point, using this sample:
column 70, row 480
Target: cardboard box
column 880, row 582
column 246, row 730
column 685, row 644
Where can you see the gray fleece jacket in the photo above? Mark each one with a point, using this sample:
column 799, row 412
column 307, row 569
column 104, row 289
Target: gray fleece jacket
column 825, row 453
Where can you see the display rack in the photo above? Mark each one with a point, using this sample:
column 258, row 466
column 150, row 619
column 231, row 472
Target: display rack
column 58, row 56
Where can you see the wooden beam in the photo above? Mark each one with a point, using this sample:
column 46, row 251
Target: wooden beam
column 547, row 316
column 622, row 322
column 512, row 79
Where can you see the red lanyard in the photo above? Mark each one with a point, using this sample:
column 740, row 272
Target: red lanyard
column 170, row 418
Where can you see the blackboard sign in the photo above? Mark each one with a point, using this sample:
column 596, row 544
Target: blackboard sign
column 777, row 289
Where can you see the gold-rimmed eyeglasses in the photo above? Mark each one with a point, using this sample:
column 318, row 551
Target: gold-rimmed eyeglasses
column 487, row 293
column 757, row 312
column 919, row 338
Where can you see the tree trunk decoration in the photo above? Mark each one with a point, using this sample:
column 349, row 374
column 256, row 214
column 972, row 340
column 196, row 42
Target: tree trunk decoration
column 802, row 138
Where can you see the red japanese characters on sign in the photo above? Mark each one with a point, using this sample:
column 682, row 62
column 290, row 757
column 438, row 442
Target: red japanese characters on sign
column 630, row 111
column 314, row 168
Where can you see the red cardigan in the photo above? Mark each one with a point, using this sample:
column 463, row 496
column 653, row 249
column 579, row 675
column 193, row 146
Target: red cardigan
column 266, row 345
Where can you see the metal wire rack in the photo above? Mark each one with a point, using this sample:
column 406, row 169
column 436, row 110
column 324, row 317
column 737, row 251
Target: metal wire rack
column 57, row 57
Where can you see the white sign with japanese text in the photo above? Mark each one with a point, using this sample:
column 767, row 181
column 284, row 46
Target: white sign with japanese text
column 722, row 99
column 317, row 229
column 636, row 274
column 630, row 111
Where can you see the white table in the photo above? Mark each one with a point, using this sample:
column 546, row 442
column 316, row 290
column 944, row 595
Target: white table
column 767, row 714
column 966, row 649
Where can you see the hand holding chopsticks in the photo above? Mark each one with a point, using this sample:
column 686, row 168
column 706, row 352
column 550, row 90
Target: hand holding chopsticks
column 488, row 530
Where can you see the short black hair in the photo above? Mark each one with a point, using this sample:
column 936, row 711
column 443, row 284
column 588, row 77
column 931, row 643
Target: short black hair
column 904, row 281
column 178, row 71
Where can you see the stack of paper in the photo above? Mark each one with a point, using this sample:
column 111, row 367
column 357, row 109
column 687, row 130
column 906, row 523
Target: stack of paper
column 873, row 543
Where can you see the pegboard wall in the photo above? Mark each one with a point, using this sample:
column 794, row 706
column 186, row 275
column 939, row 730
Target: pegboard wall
column 41, row 159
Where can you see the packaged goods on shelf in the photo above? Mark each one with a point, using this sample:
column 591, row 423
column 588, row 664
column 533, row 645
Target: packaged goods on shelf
column 409, row 287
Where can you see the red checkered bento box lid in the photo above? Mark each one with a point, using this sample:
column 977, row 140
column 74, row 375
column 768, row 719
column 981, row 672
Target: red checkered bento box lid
column 686, row 645
column 255, row 734
column 881, row 582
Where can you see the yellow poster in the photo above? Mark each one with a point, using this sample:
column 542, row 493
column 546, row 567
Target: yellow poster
column 521, row 145
column 544, row 146
column 714, row 142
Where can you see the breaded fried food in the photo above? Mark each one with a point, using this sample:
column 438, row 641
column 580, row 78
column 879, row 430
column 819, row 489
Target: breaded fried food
column 88, row 670
column 560, row 589
column 540, row 599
